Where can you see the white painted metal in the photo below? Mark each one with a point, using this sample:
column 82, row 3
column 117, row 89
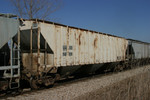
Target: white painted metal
column 8, row 28
column 140, row 49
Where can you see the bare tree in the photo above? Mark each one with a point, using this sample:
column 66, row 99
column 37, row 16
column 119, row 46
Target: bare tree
column 36, row 8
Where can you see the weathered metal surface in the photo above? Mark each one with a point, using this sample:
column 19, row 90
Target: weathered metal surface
column 83, row 47
column 72, row 46
column 8, row 28
column 140, row 49
column 34, row 62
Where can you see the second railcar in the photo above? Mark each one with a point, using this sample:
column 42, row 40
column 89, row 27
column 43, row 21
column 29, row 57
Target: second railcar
column 9, row 52
column 139, row 52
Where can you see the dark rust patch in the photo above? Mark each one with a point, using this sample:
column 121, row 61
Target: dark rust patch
column 80, row 39
column 95, row 42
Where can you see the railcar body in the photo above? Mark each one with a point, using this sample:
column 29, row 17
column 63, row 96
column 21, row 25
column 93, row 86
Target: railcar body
column 54, row 48
column 9, row 54
column 139, row 51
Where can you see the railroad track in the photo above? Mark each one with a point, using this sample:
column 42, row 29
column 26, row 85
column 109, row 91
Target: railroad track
column 56, row 85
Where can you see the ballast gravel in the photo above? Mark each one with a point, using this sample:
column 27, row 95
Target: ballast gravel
column 76, row 89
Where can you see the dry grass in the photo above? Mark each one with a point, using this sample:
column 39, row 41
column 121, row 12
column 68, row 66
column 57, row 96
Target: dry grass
column 133, row 88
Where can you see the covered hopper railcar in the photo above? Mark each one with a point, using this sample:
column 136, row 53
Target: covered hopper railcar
column 9, row 52
column 139, row 52
column 52, row 51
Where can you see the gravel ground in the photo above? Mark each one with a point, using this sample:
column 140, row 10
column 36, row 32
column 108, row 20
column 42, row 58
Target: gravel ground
column 76, row 89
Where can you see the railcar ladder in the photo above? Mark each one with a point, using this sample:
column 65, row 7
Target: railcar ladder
column 15, row 68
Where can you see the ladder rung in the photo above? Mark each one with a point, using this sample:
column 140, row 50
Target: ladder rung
column 14, row 87
column 15, row 49
column 16, row 75
column 14, row 82
column 15, row 58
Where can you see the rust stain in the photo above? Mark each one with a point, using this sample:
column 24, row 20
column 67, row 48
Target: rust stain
column 57, row 26
column 80, row 39
column 95, row 42
column 35, row 59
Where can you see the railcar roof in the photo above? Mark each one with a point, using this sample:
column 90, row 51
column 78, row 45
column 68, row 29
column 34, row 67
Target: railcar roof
column 44, row 21
column 8, row 15
column 138, row 41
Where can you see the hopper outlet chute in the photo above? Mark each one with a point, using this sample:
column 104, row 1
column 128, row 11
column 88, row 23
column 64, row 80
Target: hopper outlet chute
column 37, row 55
column 26, row 41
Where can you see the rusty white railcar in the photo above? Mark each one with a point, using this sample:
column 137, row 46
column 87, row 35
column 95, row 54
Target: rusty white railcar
column 51, row 51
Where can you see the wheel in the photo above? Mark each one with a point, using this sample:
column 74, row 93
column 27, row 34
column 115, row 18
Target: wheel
column 4, row 84
column 34, row 84
column 49, row 82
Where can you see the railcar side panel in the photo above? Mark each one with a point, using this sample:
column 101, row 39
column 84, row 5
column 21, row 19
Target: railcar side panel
column 86, row 50
column 101, row 49
column 96, row 48
column 76, row 53
column 91, row 47
column 71, row 46
column 63, row 46
column 57, row 44
column 81, row 43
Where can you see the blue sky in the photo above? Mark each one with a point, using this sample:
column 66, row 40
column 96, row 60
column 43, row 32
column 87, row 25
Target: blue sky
column 125, row 18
